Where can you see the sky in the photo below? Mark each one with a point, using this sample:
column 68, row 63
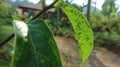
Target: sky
column 79, row 2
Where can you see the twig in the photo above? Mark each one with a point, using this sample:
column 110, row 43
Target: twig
column 40, row 13
column 44, row 10
column 7, row 39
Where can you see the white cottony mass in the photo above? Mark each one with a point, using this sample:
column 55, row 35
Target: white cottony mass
column 20, row 28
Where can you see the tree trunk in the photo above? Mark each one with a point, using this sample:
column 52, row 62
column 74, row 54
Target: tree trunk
column 43, row 3
column 88, row 10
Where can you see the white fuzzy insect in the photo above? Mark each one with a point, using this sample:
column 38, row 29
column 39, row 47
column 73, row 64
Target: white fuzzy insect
column 20, row 28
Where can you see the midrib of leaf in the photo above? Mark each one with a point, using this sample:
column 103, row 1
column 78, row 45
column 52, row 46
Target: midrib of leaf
column 50, row 40
column 46, row 36
column 34, row 50
column 34, row 46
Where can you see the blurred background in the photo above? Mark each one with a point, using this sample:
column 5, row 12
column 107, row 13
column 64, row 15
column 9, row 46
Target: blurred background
column 103, row 16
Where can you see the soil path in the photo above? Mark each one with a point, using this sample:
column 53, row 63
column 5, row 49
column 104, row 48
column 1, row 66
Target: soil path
column 100, row 57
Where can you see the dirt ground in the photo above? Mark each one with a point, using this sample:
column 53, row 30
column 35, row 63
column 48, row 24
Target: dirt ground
column 100, row 57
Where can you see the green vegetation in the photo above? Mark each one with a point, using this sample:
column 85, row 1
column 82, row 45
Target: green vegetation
column 6, row 29
column 5, row 51
column 106, row 29
column 6, row 11
column 39, row 49
column 109, row 8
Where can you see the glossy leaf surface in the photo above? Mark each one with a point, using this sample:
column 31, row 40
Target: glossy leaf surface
column 38, row 49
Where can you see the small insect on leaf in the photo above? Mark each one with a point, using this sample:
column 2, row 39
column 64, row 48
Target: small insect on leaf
column 20, row 28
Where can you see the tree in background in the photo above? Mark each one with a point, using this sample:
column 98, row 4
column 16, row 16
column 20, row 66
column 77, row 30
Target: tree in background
column 109, row 8
column 1, row 1
column 43, row 3
column 68, row 1
column 26, row 0
column 88, row 10
column 106, row 25
column 6, row 11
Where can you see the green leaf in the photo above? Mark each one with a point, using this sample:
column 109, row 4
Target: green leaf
column 38, row 49
column 16, row 18
column 83, row 32
column 57, row 3
column 4, row 63
column 27, row 19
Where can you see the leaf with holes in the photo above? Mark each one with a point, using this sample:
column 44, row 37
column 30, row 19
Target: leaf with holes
column 38, row 49
column 82, row 30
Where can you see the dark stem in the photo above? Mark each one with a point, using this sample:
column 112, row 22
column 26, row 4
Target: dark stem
column 7, row 39
column 44, row 10
column 40, row 13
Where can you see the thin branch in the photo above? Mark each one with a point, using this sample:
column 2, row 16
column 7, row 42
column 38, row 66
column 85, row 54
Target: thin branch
column 7, row 39
column 44, row 10
column 40, row 13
